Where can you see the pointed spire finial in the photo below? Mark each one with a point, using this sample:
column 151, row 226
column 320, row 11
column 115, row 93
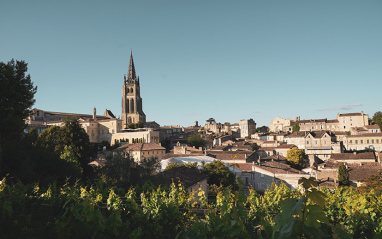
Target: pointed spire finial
column 131, row 73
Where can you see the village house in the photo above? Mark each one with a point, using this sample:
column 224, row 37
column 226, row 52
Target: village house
column 344, row 122
column 283, row 149
column 234, row 156
column 365, row 129
column 247, row 128
column 261, row 176
column 139, row 151
column 371, row 141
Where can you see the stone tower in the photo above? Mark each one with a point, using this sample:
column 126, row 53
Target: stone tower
column 131, row 98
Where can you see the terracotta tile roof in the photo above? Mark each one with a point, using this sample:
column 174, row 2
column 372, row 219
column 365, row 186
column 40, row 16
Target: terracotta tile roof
column 351, row 114
column 330, row 164
column 299, row 134
column 311, row 121
column 332, row 121
column 187, row 176
column 266, row 148
column 339, row 133
column 275, row 157
column 361, row 172
column 352, row 156
column 172, row 155
column 373, row 126
column 319, row 134
column 141, row 147
column 221, row 148
column 269, row 142
column 359, row 128
column 286, row 146
column 231, row 155
column 279, row 168
column 242, row 166
column 364, row 135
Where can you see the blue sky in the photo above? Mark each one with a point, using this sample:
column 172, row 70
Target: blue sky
column 229, row 60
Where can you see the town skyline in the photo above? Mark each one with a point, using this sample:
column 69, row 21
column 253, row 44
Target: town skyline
column 228, row 61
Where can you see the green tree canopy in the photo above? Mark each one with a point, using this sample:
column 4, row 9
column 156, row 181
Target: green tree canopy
column 343, row 175
column 196, row 140
column 193, row 165
column 377, row 119
column 16, row 98
column 296, row 157
column 296, row 127
column 219, row 174
column 211, row 120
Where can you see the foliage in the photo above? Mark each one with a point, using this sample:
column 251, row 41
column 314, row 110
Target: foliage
column 135, row 125
column 74, row 210
column 377, row 119
column 178, row 165
column 122, row 171
column 16, row 98
column 196, row 140
column 71, row 159
column 296, row 157
column 219, row 174
column 303, row 217
column 296, row 127
column 343, row 175
column 73, row 135
column 211, row 120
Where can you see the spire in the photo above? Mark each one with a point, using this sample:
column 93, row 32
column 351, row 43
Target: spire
column 131, row 73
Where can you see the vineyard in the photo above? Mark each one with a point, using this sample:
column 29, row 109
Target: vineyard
column 75, row 211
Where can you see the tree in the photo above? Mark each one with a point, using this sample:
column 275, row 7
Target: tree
column 193, row 165
column 377, row 119
column 296, row 127
column 296, row 157
column 73, row 135
column 219, row 174
column 196, row 140
column 343, row 175
column 211, row 120
column 16, row 98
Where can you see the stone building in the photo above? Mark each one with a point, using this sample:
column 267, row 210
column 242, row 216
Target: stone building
column 371, row 141
column 131, row 98
column 140, row 151
column 247, row 128
column 344, row 122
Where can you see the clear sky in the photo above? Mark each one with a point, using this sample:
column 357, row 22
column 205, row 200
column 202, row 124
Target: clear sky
column 229, row 60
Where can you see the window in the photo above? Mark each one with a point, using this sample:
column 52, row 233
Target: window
column 351, row 141
column 322, row 127
column 316, row 142
column 377, row 141
column 372, row 141
column 356, row 141
column 324, row 141
column 344, row 127
column 112, row 131
column 261, row 175
column 367, row 141
column 307, row 142
column 361, row 141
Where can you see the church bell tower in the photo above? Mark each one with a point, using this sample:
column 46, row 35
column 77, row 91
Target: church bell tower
column 131, row 98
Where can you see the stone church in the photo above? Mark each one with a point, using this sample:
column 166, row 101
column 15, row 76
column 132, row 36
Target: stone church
column 131, row 98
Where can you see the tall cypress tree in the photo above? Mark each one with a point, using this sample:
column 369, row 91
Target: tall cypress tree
column 343, row 175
